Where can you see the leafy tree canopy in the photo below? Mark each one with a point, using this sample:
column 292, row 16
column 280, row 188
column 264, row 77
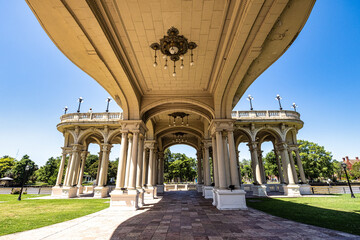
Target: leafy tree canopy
column 18, row 170
column 6, row 164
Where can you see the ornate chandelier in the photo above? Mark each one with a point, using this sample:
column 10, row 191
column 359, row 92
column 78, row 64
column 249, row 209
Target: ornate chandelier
column 176, row 115
column 174, row 46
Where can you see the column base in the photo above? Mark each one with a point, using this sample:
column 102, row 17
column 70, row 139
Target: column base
column 208, row 192
column 230, row 200
column 259, row 190
column 214, row 193
column 80, row 190
column 292, row 190
column 199, row 188
column 160, row 188
column 56, row 191
column 101, row 192
column 149, row 192
column 305, row 189
column 69, row 192
column 126, row 200
column 141, row 197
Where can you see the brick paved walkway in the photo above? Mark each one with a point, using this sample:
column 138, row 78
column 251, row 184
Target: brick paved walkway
column 187, row 215
column 178, row 215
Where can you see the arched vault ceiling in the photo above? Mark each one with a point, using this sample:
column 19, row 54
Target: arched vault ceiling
column 110, row 39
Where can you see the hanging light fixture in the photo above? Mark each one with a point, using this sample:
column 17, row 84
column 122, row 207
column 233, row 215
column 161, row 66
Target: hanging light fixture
column 174, row 46
column 181, row 115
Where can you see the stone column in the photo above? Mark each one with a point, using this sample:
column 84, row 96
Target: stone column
column 76, row 170
column 281, row 175
column 161, row 168
column 220, row 160
column 155, row 164
column 145, row 166
column 81, row 174
column 68, row 168
column 215, row 165
column 283, row 163
column 207, row 180
column 199, row 166
column 255, row 163
column 61, row 168
column 139, row 169
column 300, row 166
column 133, row 163
column 128, row 159
column 105, row 158
column 99, row 167
column 286, row 162
column 238, row 163
column 261, row 166
column 75, row 151
column 292, row 164
column 120, row 176
column 150, row 181
column 226, row 160
column 233, row 161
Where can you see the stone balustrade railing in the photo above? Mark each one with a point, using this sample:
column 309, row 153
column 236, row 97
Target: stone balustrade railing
column 273, row 114
column 83, row 117
column 239, row 115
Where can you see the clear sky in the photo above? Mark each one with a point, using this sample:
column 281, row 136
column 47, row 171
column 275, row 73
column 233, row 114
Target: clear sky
column 320, row 72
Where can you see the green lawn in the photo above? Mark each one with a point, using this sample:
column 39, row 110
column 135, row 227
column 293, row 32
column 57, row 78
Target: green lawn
column 18, row 216
column 340, row 212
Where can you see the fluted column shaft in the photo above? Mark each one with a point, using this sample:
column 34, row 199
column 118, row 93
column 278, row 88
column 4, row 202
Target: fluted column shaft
column 286, row 162
column 233, row 161
column 105, row 158
column 120, row 176
column 68, row 168
column 207, row 177
column 281, row 175
column 145, row 166
column 72, row 169
column 133, row 163
column 61, row 168
column 292, row 164
column 99, row 167
column 261, row 166
column 140, row 156
column 128, row 159
column 300, row 166
column 81, row 174
column 151, row 166
column 215, row 164
column 220, row 160
column 255, row 163
column 199, row 166
column 155, row 168
column 226, row 160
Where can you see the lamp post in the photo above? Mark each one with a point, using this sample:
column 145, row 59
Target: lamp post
column 279, row 98
column 65, row 109
column 250, row 98
column 294, row 106
column 107, row 106
column 80, row 101
column 347, row 177
column 23, row 181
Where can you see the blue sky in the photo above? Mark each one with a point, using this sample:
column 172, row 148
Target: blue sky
column 320, row 72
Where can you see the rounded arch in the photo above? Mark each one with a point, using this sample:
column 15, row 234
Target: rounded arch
column 157, row 111
column 240, row 132
column 276, row 133
column 88, row 132
column 184, row 143
column 168, row 130
column 170, row 102
column 291, row 135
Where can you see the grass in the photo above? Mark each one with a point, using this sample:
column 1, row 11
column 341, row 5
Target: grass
column 340, row 212
column 18, row 216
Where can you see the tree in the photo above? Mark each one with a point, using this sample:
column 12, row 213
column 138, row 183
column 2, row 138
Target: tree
column 6, row 164
column 317, row 162
column 18, row 170
column 246, row 171
column 91, row 165
column 48, row 173
column 270, row 164
column 178, row 167
column 355, row 171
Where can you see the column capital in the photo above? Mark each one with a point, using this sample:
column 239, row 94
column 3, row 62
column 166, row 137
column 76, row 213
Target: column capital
column 84, row 154
column 134, row 125
column 219, row 125
column 76, row 147
column 150, row 144
column 253, row 146
column 207, row 143
column 282, row 146
column 105, row 147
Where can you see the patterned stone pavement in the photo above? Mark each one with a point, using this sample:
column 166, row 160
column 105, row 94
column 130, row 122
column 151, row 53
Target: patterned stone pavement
column 179, row 215
column 187, row 215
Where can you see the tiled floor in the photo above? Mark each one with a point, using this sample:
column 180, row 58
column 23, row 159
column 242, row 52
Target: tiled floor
column 180, row 215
